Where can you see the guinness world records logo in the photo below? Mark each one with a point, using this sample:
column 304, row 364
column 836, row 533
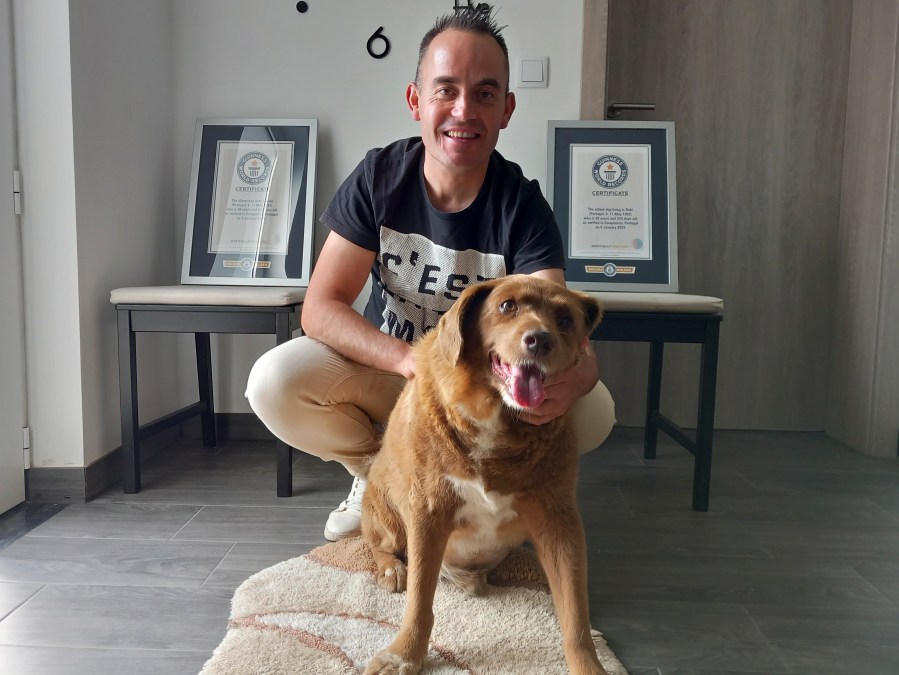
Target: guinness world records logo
column 610, row 171
column 254, row 168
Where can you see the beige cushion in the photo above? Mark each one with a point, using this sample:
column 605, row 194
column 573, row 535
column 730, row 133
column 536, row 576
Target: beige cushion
column 244, row 296
column 613, row 301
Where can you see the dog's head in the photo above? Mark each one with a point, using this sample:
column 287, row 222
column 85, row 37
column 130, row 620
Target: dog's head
column 519, row 330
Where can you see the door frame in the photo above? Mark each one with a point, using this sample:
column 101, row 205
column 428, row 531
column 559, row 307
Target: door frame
column 13, row 414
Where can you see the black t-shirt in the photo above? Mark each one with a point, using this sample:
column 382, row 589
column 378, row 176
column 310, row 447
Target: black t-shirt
column 426, row 258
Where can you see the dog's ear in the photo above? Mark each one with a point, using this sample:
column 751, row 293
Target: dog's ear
column 455, row 325
column 592, row 312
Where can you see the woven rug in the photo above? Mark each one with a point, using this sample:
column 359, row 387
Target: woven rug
column 323, row 614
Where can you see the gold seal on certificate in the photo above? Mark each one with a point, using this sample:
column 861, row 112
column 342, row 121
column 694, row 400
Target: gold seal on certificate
column 251, row 208
column 610, row 202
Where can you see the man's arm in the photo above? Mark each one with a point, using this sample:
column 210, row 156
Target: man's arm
column 565, row 388
column 340, row 273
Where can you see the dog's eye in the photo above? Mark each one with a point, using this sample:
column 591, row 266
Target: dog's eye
column 507, row 306
column 565, row 322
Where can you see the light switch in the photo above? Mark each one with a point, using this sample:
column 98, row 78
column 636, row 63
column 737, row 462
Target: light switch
column 533, row 71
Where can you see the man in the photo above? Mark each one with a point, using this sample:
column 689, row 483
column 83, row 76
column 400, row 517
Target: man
column 425, row 217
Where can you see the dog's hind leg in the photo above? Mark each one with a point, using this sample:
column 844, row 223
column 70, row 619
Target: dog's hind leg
column 386, row 537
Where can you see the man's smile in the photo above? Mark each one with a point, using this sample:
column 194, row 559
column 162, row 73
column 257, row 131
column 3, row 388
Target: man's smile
column 462, row 134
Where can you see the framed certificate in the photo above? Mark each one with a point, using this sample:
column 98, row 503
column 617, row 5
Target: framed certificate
column 612, row 188
column 250, row 212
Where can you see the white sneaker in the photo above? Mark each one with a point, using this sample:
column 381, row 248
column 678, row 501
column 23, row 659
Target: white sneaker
column 346, row 520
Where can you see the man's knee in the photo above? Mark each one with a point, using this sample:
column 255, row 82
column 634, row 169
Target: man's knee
column 264, row 391
column 594, row 417
column 278, row 375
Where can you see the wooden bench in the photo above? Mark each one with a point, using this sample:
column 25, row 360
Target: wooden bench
column 200, row 310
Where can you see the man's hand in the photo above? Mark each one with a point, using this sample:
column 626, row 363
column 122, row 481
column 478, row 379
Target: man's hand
column 407, row 365
column 564, row 389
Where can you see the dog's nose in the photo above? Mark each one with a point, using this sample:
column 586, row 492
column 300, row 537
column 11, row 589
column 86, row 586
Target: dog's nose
column 537, row 342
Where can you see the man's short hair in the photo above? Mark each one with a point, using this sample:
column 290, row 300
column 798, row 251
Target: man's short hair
column 480, row 18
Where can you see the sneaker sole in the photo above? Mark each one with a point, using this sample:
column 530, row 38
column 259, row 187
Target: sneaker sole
column 335, row 536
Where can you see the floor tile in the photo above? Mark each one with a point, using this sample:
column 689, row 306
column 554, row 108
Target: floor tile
column 79, row 661
column 823, row 540
column 12, row 595
column 110, row 561
column 244, row 560
column 882, row 573
column 258, row 524
column 736, row 580
column 19, row 521
column 855, row 639
column 117, row 521
column 705, row 637
column 121, row 617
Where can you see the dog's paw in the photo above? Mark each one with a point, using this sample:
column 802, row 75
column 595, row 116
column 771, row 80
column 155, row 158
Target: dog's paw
column 393, row 577
column 387, row 663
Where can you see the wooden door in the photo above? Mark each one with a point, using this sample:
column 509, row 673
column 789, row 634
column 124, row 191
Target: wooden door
column 757, row 91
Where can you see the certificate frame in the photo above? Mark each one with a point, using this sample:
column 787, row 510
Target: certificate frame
column 619, row 227
column 250, row 211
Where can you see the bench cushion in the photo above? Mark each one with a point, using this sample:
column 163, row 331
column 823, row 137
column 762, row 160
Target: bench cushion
column 242, row 296
column 613, row 301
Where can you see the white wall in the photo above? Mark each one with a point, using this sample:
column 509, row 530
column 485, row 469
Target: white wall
column 264, row 59
column 122, row 116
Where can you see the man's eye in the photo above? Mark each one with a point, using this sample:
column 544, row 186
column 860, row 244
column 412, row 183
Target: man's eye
column 507, row 306
column 487, row 95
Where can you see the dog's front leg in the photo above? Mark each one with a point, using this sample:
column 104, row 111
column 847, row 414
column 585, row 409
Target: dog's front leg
column 558, row 537
column 426, row 540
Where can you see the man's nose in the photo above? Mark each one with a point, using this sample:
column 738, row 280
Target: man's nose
column 464, row 107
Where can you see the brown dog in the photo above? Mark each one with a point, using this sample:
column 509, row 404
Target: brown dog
column 460, row 480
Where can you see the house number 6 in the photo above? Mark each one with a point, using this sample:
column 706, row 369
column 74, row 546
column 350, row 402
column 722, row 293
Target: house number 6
column 375, row 37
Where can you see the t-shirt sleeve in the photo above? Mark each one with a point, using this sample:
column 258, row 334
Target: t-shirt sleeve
column 536, row 239
column 350, row 213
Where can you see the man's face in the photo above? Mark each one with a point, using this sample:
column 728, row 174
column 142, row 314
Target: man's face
column 461, row 102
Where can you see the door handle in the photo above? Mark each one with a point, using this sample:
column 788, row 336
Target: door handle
column 614, row 109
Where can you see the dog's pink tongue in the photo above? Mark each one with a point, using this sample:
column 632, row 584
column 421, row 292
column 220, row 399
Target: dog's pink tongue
column 527, row 387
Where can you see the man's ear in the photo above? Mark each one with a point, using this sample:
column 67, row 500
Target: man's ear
column 510, row 108
column 456, row 324
column 412, row 100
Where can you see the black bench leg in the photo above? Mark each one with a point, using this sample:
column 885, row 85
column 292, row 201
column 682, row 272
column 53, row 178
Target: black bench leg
column 653, row 399
column 204, row 383
column 284, row 469
column 128, row 404
column 705, row 423
column 283, row 452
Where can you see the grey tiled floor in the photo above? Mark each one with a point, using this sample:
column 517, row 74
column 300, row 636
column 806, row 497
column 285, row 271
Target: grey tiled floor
column 795, row 568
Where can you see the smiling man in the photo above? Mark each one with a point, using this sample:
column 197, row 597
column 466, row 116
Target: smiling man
column 424, row 218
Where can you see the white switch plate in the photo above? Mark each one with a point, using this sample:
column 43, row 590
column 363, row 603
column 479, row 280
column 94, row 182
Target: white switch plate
column 532, row 71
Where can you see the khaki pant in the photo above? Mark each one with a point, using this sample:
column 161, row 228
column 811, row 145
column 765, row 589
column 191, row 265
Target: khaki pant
column 322, row 403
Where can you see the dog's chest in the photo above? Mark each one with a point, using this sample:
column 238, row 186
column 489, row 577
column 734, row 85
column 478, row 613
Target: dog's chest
column 481, row 513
